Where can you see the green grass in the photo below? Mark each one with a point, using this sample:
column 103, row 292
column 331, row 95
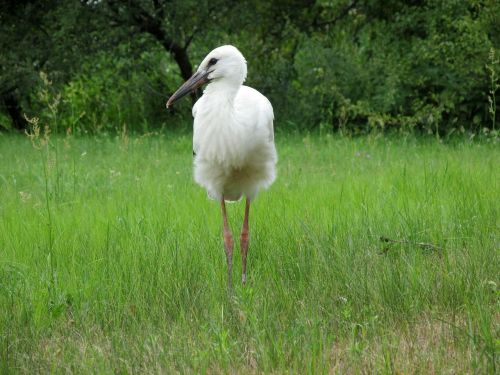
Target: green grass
column 111, row 259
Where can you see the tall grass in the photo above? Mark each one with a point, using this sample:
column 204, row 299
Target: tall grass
column 135, row 280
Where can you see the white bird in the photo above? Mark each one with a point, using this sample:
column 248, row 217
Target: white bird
column 233, row 140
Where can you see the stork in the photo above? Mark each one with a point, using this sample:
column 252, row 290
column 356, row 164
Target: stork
column 233, row 139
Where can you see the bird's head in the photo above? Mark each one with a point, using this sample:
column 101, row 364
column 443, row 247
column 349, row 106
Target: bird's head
column 224, row 65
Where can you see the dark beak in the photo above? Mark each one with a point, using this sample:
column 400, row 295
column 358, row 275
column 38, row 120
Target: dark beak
column 196, row 80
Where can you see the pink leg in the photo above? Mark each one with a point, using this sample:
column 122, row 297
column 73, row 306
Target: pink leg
column 228, row 245
column 244, row 239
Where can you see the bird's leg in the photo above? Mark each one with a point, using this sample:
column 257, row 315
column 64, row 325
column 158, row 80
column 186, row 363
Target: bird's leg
column 244, row 239
column 228, row 245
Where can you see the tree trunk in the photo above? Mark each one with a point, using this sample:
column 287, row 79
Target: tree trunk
column 151, row 24
column 182, row 59
column 15, row 111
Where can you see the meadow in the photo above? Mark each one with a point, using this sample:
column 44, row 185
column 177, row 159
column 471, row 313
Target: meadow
column 374, row 254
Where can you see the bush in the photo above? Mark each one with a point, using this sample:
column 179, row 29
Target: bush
column 424, row 67
column 112, row 92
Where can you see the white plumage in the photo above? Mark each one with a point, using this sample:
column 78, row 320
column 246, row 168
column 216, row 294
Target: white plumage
column 233, row 139
column 234, row 158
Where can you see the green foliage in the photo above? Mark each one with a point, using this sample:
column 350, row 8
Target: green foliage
column 494, row 86
column 110, row 92
column 352, row 66
column 425, row 67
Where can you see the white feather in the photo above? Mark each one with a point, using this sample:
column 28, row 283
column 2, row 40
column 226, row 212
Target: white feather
column 233, row 136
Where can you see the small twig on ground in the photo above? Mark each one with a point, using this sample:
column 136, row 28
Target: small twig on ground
column 424, row 245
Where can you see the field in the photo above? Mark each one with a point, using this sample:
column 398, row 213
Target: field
column 370, row 254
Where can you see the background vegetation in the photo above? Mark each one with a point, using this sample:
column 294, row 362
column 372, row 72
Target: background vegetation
column 349, row 65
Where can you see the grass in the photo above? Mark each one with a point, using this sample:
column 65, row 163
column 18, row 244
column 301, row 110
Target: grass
column 111, row 259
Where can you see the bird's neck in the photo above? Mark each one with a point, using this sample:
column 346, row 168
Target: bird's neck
column 222, row 90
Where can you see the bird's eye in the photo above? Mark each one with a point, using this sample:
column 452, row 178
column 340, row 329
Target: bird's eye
column 212, row 61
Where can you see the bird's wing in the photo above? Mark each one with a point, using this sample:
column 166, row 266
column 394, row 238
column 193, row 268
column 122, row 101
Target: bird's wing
column 253, row 105
column 196, row 146
column 195, row 108
column 268, row 117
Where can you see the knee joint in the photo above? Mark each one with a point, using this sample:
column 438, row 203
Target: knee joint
column 244, row 237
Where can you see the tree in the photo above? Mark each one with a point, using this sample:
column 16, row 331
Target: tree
column 39, row 36
column 20, row 30
column 173, row 24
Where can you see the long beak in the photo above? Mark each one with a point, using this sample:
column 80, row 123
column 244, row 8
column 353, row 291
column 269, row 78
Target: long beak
column 196, row 80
